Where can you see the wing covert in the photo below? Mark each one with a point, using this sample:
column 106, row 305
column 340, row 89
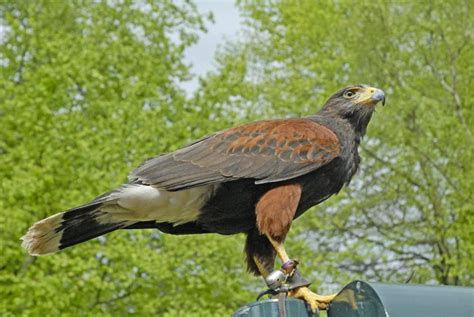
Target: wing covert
column 268, row 151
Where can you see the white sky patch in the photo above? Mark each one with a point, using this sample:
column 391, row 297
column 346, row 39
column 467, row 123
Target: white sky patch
column 226, row 26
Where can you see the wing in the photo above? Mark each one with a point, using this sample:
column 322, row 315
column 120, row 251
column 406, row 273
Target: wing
column 267, row 151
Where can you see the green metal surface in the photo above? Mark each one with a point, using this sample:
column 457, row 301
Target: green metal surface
column 269, row 308
column 357, row 299
column 360, row 299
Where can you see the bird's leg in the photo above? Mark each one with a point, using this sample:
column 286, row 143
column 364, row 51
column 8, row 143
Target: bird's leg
column 261, row 267
column 280, row 250
column 313, row 299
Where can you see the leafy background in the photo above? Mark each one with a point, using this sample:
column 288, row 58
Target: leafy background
column 88, row 90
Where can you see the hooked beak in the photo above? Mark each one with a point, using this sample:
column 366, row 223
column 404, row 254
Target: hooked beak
column 378, row 95
column 370, row 96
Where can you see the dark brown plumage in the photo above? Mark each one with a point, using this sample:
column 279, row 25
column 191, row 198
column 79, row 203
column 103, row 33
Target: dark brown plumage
column 266, row 151
column 253, row 179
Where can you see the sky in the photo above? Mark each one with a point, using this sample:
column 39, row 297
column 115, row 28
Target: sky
column 227, row 24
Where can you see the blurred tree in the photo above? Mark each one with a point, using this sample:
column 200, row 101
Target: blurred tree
column 410, row 209
column 88, row 90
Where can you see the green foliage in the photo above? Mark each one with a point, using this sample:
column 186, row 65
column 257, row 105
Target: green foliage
column 409, row 210
column 88, row 90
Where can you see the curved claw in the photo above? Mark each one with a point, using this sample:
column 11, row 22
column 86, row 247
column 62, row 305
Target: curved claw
column 314, row 300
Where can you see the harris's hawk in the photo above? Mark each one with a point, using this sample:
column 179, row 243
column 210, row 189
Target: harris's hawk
column 252, row 179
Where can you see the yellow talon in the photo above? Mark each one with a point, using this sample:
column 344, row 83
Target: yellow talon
column 314, row 300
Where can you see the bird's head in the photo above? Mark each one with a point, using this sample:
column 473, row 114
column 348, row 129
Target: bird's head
column 356, row 104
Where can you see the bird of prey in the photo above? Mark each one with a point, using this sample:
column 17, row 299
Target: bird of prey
column 252, row 179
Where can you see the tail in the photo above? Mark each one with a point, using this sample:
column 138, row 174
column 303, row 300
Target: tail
column 70, row 227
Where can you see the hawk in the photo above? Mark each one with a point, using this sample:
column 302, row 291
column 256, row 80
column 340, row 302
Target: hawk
column 252, row 179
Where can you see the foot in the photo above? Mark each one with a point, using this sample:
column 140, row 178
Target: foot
column 314, row 300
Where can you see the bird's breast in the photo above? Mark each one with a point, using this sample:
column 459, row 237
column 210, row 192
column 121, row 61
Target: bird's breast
column 322, row 184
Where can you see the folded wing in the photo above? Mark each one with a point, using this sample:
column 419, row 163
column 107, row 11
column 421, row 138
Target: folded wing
column 267, row 151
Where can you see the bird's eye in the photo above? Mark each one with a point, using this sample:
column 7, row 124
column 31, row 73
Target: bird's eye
column 349, row 94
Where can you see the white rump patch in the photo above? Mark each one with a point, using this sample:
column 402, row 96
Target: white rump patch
column 145, row 203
